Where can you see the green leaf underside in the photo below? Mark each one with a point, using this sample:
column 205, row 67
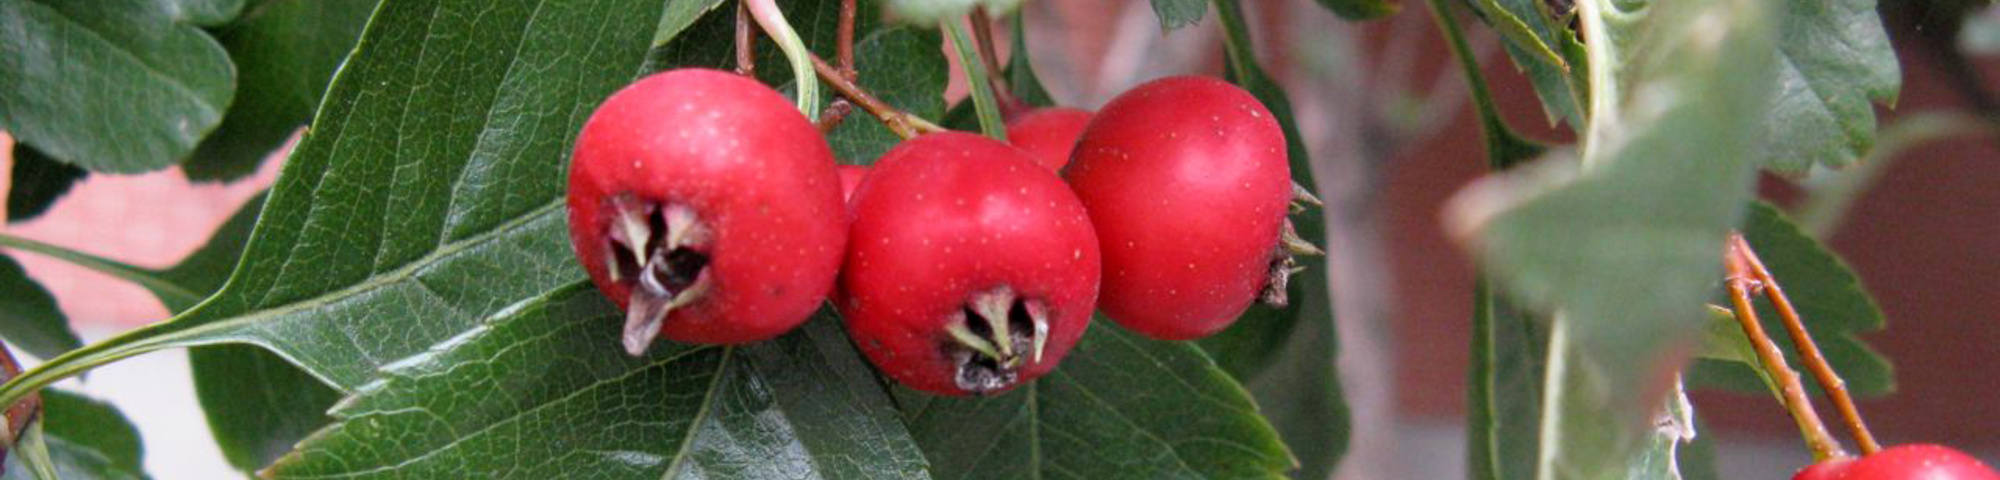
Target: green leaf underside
column 1179, row 13
column 1297, row 381
column 1121, row 407
column 1830, row 300
column 257, row 405
column 428, row 193
column 536, row 393
column 285, row 53
column 38, row 181
column 29, row 318
column 117, row 86
column 87, row 439
column 1504, row 401
column 1834, row 61
column 1642, row 226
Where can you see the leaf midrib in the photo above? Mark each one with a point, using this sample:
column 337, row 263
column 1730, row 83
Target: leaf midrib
column 197, row 334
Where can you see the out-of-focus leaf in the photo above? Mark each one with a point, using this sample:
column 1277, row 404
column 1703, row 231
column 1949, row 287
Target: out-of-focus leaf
column 540, row 390
column 1672, row 429
column 1361, row 9
column 29, row 318
column 1641, row 225
column 1179, row 13
column 1121, row 407
column 285, row 52
column 1504, row 398
column 87, row 439
column 119, row 86
column 37, row 182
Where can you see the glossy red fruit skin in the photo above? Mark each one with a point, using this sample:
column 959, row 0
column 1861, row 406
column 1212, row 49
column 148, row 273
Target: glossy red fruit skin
column 1187, row 181
column 1048, row 134
column 850, row 176
column 944, row 216
column 1903, row 462
column 754, row 169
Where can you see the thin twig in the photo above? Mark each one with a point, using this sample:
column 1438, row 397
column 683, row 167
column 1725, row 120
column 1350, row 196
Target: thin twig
column 1740, row 282
column 844, row 41
column 903, row 123
column 746, row 41
column 837, row 110
column 1836, row 388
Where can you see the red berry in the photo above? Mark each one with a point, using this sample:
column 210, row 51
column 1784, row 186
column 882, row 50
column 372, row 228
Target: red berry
column 1187, row 182
column 970, row 269
column 1048, row 134
column 708, row 207
column 850, row 176
column 1903, row 462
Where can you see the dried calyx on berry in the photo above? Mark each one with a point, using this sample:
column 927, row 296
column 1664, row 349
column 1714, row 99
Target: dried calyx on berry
column 1284, row 258
column 993, row 336
column 661, row 253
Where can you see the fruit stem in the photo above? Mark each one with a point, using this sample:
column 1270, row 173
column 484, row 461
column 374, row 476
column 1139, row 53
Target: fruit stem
column 902, row 123
column 1740, row 282
column 1836, row 388
column 746, row 41
column 838, row 110
column 982, row 32
column 773, row 20
column 977, row 78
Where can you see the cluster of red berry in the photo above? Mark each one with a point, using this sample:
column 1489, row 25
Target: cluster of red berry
column 713, row 211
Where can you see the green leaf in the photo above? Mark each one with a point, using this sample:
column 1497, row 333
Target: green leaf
column 1361, row 9
column 87, row 439
column 258, row 406
column 207, row 13
column 679, row 15
column 29, row 318
column 1179, row 13
column 1504, row 398
column 285, row 52
column 37, row 182
column 425, row 197
column 111, row 85
column 1671, row 429
column 1287, row 355
column 1829, row 298
column 1020, row 71
column 903, row 67
column 1539, row 46
column 1834, row 61
column 541, row 391
column 1120, row 407
column 1626, row 251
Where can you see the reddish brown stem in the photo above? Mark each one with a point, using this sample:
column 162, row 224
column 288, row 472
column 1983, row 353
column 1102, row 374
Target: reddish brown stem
column 903, row 123
column 1836, row 388
column 746, row 41
column 15, row 419
column 982, row 31
column 844, row 41
column 1740, row 282
column 837, row 110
